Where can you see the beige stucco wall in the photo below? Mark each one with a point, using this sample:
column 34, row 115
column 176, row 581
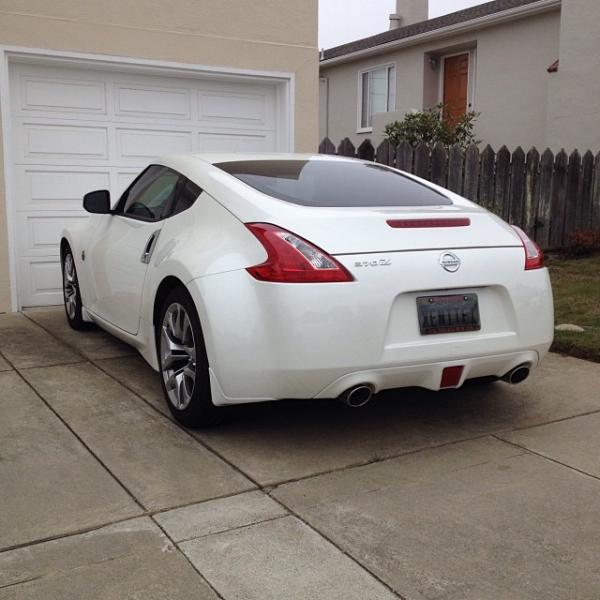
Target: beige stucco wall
column 510, row 83
column 273, row 35
column 574, row 92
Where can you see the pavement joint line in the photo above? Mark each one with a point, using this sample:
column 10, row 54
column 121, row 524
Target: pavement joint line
column 549, row 458
column 78, row 438
column 245, row 526
column 559, row 420
column 185, row 556
column 147, row 513
column 294, row 514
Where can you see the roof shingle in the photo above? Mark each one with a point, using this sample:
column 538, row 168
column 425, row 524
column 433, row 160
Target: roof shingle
column 461, row 16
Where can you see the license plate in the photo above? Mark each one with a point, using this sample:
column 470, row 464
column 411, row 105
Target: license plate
column 448, row 314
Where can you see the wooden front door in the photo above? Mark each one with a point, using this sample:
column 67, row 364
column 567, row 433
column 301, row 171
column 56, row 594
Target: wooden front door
column 456, row 86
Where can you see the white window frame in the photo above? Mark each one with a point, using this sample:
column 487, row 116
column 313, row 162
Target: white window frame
column 390, row 108
column 472, row 52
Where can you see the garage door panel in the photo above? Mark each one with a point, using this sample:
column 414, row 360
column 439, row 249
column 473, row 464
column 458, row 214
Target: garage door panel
column 235, row 142
column 39, row 233
column 234, row 109
column 70, row 96
column 136, row 144
column 43, row 189
column 41, row 141
column 41, row 281
column 152, row 102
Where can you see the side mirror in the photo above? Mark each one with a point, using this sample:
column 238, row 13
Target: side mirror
column 97, row 202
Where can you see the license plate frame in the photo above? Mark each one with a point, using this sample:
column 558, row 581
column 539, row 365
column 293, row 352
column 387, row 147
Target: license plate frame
column 450, row 313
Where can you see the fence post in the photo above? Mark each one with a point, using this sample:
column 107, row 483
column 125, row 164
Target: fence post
column 502, row 183
column 471, row 187
column 572, row 199
column 542, row 223
column 385, row 153
column 346, row 148
column 439, row 165
column 366, row 151
column 532, row 191
column 404, row 157
column 455, row 169
column 596, row 195
column 422, row 161
column 517, row 187
column 584, row 214
column 326, row 147
column 559, row 197
column 487, row 178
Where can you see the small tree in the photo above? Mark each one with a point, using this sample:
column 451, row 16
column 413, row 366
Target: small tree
column 431, row 126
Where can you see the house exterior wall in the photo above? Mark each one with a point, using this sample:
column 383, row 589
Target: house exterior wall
column 271, row 35
column 509, row 84
column 574, row 92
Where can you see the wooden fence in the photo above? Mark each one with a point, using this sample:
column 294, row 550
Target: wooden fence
column 551, row 197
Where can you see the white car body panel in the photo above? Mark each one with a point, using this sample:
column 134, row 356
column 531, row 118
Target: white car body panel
column 268, row 341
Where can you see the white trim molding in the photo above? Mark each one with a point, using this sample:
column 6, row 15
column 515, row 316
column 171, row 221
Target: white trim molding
column 285, row 100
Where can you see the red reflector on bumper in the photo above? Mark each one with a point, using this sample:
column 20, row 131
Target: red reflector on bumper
column 451, row 377
column 427, row 223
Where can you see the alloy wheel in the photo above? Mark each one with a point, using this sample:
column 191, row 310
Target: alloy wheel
column 178, row 355
column 70, row 286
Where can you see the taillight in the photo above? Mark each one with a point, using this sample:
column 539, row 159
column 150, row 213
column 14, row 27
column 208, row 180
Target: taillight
column 534, row 257
column 291, row 259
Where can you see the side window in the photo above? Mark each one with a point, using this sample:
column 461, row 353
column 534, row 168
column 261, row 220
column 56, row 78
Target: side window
column 150, row 195
column 188, row 193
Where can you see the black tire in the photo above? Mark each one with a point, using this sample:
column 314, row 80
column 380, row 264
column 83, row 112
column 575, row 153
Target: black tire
column 71, row 292
column 184, row 376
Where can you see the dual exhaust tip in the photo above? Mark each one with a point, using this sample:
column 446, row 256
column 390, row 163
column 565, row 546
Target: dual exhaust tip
column 518, row 374
column 360, row 395
column 357, row 396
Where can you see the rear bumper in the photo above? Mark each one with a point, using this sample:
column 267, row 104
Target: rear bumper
column 274, row 341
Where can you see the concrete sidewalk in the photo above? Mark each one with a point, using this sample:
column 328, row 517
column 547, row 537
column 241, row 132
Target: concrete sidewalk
column 488, row 492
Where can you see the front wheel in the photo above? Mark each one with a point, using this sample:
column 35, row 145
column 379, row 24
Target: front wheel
column 184, row 363
column 71, row 293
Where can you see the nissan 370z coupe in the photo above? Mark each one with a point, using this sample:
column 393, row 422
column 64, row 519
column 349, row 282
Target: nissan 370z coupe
column 247, row 278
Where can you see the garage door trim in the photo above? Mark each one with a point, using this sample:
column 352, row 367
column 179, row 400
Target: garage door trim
column 283, row 81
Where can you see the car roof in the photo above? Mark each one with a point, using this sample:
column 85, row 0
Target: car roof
column 219, row 157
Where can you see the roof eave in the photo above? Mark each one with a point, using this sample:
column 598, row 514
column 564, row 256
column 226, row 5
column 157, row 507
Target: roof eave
column 477, row 23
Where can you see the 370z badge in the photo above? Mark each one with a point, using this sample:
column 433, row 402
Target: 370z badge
column 382, row 262
column 450, row 262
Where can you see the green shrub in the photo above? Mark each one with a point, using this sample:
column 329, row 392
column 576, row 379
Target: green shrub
column 430, row 126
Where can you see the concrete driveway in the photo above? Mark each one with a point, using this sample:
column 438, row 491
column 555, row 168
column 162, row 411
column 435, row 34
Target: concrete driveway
column 481, row 493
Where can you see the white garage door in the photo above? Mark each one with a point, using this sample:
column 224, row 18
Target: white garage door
column 76, row 130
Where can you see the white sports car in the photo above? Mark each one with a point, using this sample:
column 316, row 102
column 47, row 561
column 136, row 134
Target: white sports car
column 247, row 278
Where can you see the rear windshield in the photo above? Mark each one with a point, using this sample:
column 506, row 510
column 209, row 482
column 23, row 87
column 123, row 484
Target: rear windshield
column 333, row 183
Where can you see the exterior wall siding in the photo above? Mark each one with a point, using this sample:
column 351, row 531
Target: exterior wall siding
column 510, row 83
column 270, row 35
column 573, row 106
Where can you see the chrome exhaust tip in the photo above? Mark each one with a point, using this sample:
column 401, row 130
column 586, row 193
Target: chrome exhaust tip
column 357, row 396
column 517, row 375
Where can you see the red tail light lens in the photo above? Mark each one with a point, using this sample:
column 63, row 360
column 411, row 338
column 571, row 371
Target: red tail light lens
column 534, row 257
column 291, row 259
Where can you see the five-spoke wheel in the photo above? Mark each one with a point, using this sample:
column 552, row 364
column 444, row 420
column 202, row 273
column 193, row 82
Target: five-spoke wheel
column 183, row 361
column 71, row 293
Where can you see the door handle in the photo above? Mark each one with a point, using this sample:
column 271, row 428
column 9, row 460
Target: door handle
column 149, row 249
